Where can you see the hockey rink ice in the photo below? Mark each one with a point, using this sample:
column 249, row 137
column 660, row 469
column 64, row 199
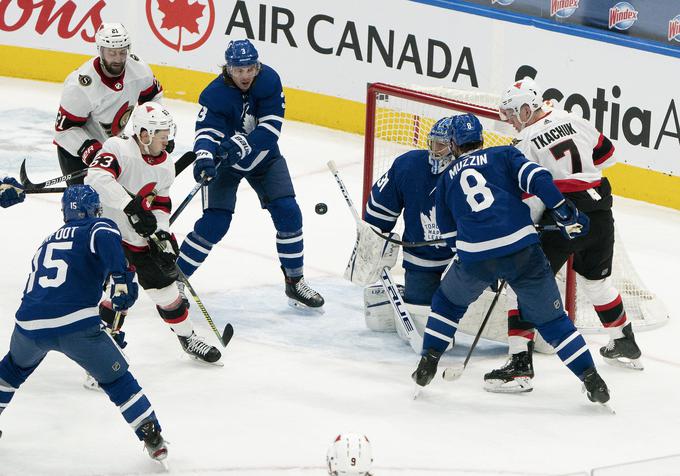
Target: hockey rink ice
column 291, row 381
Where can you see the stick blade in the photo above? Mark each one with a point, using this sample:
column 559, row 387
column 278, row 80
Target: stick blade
column 453, row 373
column 227, row 334
column 23, row 177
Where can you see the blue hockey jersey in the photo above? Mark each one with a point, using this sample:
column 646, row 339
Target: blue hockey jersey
column 68, row 271
column 256, row 113
column 409, row 186
column 479, row 202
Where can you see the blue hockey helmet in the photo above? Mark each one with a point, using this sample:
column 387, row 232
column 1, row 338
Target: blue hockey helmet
column 241, row 53
column 79, row 202
column 439, row 145
column 466, row 129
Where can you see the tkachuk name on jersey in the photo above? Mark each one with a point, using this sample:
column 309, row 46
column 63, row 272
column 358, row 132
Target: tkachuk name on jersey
column 556, row 133
column 474, row 160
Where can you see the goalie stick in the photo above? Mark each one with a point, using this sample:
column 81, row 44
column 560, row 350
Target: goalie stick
column 455, row 372
column 385, row 277
column 182, row 163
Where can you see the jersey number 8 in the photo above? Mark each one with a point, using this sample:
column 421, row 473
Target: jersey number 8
column 474, row 185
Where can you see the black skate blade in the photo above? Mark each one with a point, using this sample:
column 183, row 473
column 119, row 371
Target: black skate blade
column 227, row 334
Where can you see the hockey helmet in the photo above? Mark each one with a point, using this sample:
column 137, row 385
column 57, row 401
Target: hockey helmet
column 350, row 455
column 79, row 202
column 152, row 117
column 466, row 129
column 439, row 145
column 241, row 53
column 112, row 35
column 522, row 92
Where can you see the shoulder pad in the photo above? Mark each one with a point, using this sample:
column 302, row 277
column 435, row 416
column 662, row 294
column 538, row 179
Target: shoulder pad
column 84, row 80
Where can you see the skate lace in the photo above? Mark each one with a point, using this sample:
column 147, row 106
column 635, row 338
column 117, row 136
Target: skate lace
column 610, row 345
column 304, row 290
column 196, row 344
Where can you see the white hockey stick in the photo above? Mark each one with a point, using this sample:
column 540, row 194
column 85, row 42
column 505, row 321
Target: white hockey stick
column 385, row 276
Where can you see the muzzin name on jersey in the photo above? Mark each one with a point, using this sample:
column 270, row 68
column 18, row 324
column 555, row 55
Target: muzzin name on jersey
column 475, row 160
column 556, row 133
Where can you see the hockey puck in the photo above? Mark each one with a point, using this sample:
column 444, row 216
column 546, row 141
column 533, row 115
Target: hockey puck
column 321, row 208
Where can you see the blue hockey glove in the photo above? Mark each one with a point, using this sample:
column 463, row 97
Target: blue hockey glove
column 124, row 291
column 571, row 222
column 11, row 192
column 234, row 149
column 204, row 166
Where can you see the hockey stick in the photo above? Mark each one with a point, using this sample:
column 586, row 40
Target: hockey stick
column 182, row 163
column 385, row 276
column 189, row 197
column 455, row 372
column 45, row 190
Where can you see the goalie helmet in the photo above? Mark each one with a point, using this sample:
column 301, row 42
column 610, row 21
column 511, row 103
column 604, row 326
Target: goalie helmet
column 241, row 53
column 79, row 202
column 439, row 145
column 112, row 35
column 152, row 117
column 466, row 129
column 350, row 455
column 522, row 92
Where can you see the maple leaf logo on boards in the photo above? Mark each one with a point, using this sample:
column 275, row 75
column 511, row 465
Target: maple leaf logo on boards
column 182, row 25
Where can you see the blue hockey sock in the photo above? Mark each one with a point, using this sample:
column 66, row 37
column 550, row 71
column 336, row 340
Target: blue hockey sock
column 192, row 253
column 129, row 397
column 11, row 378
column 442, row 323
column 568, row 343
column 291, row 252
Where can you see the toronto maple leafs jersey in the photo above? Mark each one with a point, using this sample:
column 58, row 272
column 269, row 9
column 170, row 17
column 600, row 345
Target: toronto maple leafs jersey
column 68, row 270
column 479, row 202
column 256, row 113
column 409, row 186
column 94, row 106
column 119, row 168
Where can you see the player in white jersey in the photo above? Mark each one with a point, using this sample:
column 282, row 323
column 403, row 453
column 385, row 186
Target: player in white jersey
column 139, row 166
column 575, row 153
column 99, row 97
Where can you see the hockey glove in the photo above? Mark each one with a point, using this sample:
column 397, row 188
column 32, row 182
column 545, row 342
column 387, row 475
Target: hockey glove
column 571, row 222
column 140, row 217
column 164, row 251
column 124, row 291
column 88, row 150
column 11, row 192
column 204, row 166
column 234, row 149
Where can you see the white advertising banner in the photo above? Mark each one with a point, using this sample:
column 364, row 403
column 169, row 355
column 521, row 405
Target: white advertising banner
column 336, row 48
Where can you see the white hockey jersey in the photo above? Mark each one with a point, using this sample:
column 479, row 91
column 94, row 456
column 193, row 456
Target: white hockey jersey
column 119, row 168
column 570, row 147
column 94, row 106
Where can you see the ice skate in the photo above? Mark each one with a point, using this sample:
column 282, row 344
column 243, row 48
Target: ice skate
column 300, row 295
column 199, row 350
column 427, row 369
column 595, row 388
column 623, row 352
column 154, row 443
column 515, row 376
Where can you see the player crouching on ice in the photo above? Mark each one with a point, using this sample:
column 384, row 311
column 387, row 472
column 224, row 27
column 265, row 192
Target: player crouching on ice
column 59, row 312
column 480, row 212
column 140, row 165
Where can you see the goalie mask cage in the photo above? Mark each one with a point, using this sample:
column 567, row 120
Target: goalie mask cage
column 398, row 119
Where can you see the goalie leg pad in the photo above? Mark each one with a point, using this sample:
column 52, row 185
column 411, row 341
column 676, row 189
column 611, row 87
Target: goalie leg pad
column 378, row 311
column 370, row 255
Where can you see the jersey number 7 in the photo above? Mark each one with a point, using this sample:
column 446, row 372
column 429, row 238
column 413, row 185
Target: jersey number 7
column 568, row 147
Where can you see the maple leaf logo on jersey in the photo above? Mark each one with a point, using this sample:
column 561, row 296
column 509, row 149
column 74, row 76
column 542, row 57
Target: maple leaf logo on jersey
column 430, row 228
column 182, row 25
column 248, row 121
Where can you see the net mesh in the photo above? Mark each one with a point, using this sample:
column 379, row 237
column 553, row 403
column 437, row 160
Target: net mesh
column 402, row 124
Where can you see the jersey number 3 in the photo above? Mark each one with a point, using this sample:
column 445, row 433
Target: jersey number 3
column 477, row 194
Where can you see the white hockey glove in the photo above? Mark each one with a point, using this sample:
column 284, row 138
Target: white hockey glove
column 370, row 255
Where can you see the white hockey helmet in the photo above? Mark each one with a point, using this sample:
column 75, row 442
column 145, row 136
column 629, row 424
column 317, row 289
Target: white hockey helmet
column 524, row 91
column 112, row 35
column 152, row 117
column 350, row 455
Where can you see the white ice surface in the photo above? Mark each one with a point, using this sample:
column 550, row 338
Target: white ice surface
column 292, row 382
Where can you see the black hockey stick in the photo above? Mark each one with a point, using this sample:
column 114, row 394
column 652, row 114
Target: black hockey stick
column 46, row 190
column 455, row 372
column 182, row 163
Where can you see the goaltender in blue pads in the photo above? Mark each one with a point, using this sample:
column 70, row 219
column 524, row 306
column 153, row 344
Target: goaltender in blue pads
column 480, row 213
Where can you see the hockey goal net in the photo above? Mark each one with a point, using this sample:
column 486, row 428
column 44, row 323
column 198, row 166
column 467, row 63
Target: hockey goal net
column 398, row 119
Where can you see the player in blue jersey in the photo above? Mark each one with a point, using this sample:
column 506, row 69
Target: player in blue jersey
column 11, row 192
column 59, row 311
column 480, row 213
column 237, row 133
column 408, row 188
